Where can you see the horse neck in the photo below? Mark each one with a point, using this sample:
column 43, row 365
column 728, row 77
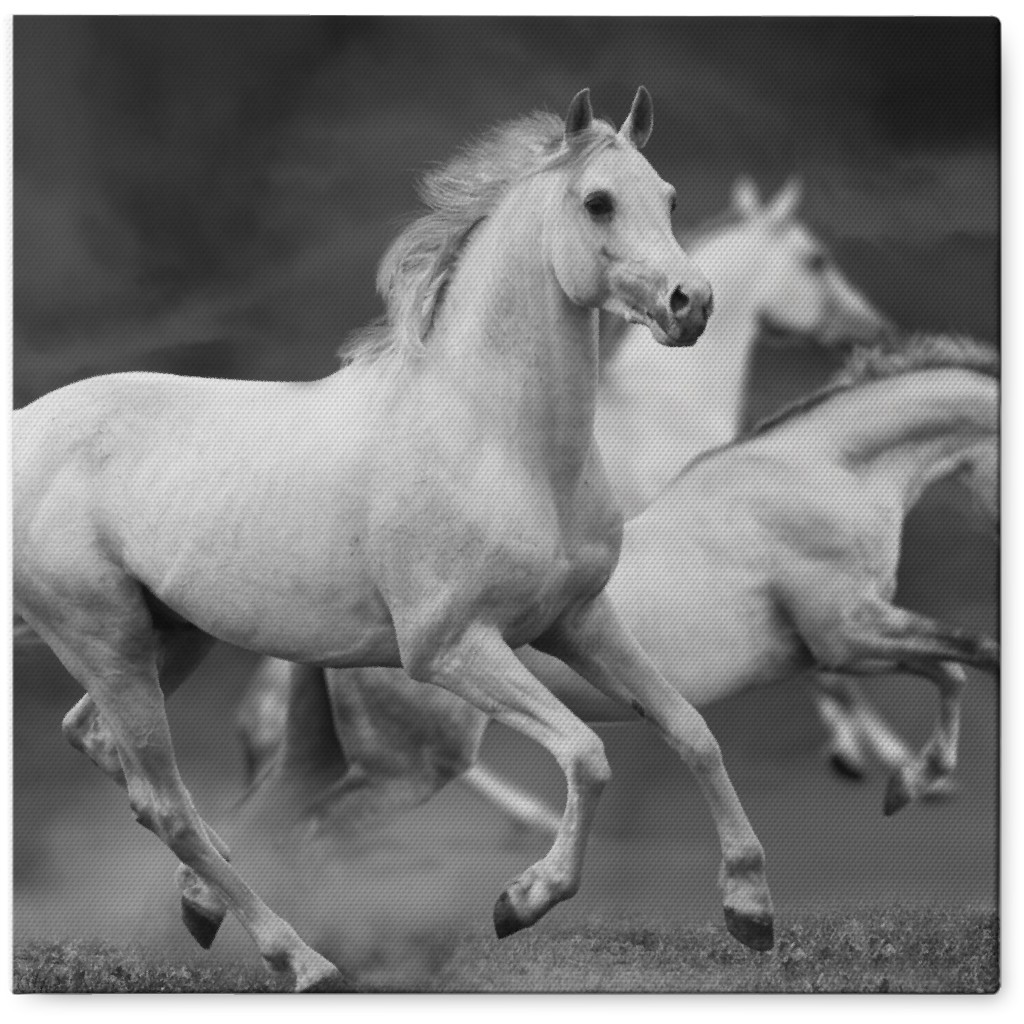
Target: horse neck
column 659, row 407
column 902, row 434
column 520, row 355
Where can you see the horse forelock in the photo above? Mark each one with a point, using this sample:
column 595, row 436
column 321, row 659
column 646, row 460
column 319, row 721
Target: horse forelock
column 867, row 364
column 414, row 271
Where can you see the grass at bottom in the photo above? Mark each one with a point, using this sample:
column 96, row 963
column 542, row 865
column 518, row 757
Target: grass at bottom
column 890, row 950
column 100, row 967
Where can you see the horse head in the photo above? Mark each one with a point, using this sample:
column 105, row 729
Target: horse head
column 800, row 290
column 613, row 244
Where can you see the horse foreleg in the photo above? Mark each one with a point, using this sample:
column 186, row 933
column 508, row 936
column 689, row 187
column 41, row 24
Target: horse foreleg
column 481, row 669
column 594, row 643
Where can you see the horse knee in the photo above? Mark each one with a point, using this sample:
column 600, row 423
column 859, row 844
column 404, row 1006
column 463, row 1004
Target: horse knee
column 703, row 754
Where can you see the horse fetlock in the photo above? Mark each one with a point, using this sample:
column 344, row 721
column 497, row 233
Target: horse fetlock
column 747, row 901
column 174, row 825
column 592, row 767
column 743, row 881
column 939, row 760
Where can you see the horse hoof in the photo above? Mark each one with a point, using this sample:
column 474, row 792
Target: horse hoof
column 846, row 768
column 334, row 981
column 506, row 920
column 201, row 924
column 897, row 794
column 756, row 932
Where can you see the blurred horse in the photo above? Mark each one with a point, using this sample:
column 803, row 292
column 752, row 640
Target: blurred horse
column 765, row 559
column 789, row 559
column 432, row 506
column 654, row 415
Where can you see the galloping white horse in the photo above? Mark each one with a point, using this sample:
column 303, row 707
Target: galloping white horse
column 787, row 564
column 433, row 506
column 654, row 415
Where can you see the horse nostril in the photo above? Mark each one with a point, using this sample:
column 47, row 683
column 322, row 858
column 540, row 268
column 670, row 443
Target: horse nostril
column 679, row 302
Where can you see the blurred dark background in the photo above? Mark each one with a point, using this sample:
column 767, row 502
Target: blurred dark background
column 212, row 195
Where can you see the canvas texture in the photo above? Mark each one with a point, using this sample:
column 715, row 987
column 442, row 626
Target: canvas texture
column 212, row 197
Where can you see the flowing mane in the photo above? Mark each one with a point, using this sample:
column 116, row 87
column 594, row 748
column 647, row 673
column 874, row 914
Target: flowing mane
column 413, row 272
column 871, row 363
column 866, row 364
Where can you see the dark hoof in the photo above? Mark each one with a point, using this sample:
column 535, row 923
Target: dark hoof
column 755, row 932
column 201, row 926
column 506, row 920
column 846, row 769
column 897, row 795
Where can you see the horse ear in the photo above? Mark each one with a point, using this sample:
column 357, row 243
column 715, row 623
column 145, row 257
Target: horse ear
column 580, row 115
column 784, row 205
column 745, row 197
column 636, row 129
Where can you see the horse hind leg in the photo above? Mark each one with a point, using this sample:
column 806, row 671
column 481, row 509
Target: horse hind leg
column 202, row 910
column 859, row 736
column 834, row 699
column 108, row 643
column 927, row 776
column 876, row 637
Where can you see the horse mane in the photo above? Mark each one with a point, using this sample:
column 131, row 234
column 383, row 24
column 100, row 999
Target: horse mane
column 872, row 363
column 416, row 268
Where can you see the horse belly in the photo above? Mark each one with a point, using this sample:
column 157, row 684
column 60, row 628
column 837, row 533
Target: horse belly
column 709, row 632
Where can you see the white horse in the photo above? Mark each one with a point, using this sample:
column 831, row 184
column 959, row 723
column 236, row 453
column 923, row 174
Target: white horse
column 765, row 559
column 789, row 560
column 431, row 507
column 654, row 415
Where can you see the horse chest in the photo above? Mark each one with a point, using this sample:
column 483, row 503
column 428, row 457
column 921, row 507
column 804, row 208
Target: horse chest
column 517, row 559
column 556, row 559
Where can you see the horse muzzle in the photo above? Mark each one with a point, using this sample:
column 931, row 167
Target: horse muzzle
column 683, row 318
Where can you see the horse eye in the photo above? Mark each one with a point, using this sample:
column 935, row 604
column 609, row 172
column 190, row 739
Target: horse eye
column 816, row 262
column 598, row 204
